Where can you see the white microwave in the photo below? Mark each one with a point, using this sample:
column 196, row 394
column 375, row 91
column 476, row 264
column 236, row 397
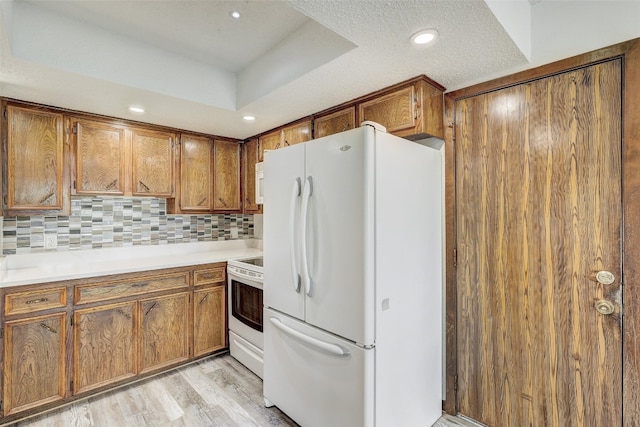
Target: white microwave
column 259, row 183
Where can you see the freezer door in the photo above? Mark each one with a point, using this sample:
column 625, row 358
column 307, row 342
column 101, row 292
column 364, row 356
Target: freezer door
column 283, row 177
column 307, row 377
column 340, row 234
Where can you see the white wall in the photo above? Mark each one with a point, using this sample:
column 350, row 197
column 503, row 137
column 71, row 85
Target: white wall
column 560, row 27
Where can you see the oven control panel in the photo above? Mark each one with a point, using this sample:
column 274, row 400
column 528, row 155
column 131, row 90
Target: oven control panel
column 242, row 271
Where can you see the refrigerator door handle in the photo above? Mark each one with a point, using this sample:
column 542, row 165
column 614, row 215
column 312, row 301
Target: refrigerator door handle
column 295, row 193
column 314, row 342
column 306, row 195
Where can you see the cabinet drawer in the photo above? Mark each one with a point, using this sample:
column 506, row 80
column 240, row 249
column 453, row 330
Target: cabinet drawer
column 124, row 288
column 210, row 275
column 30, row 301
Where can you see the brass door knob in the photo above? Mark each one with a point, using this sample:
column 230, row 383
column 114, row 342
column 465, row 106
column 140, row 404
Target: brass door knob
column 604, row 306
column 605, row 277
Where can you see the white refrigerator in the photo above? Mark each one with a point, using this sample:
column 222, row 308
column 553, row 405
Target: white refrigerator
column 353, row 281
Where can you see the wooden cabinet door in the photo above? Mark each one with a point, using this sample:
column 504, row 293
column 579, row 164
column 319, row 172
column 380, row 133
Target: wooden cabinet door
column 196, row 174
column 34, row 362
column 226, row 177
column 396, row 111
column 209, row 320
column 164, row 331
column 295, row 134
column 104, row 345
column 336, row 122
column 270, row 141
column 99, row 150
column 153, row 163
column 35, row 161
column 250, row 156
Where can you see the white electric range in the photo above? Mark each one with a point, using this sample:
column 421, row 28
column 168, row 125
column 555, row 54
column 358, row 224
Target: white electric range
column 246, row 341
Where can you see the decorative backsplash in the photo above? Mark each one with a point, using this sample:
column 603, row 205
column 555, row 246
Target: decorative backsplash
column 104, row 222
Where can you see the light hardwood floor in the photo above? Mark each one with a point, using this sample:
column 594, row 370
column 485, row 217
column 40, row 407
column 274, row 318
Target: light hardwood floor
column 216, row 391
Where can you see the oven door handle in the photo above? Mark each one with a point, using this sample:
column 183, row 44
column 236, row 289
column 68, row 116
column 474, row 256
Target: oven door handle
column 295, row 194
column 314, row 342
column 243, row 276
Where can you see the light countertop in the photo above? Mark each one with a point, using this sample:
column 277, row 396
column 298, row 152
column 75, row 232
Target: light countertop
column 46, row 267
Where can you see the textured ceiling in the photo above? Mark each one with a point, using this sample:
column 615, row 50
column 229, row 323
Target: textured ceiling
column 193, row 67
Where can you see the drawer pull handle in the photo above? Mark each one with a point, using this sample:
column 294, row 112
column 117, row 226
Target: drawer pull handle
column 221, row 200
column 202, row 201
column 47, row 197
column 204, row 298
column 139, row 285
column 112, row 184
column 48, row 328
column 37, row 301
column 151, row 308
column 125, row 314
column 144, row 187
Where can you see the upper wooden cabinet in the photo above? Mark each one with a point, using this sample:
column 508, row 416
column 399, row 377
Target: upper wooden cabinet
column 288, row 135
column 226, row 176
column 112, row 159
column 296, row 133
column 413, row 110
column 153, row 163
column 100, row 158
column 250, row 155
column 335, row 122
column 36, row 178
column 269, row 141
column 196, row 174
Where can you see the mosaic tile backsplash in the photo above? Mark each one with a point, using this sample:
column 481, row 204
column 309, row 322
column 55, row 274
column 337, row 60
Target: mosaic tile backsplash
column 104, row 222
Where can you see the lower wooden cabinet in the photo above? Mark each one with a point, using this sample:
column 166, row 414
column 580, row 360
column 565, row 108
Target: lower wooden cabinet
column 164, row 331
column 104, row 345
column 34, row 362
column 209, row 320
column 142, row 323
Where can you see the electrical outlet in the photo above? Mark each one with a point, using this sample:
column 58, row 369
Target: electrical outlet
column 50, row 241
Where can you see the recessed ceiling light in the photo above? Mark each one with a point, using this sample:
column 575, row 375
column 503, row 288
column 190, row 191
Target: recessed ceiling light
column 235, row 14
column 424, row 37
column 136, row 109
column 248, row 118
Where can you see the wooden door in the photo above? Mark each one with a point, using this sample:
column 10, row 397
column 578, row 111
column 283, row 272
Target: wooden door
column 153, row 163
column 338, row 121
column 226, row 177
column 34, row 362
column 250, row 156
column 104, row 345
column 99, row 158
column 538, row 202
column 196, row 174
column 35, row 161
column 164, row 331
column 209, row 320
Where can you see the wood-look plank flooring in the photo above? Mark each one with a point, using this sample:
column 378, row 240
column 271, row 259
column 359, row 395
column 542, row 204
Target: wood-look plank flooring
column 216, row 391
